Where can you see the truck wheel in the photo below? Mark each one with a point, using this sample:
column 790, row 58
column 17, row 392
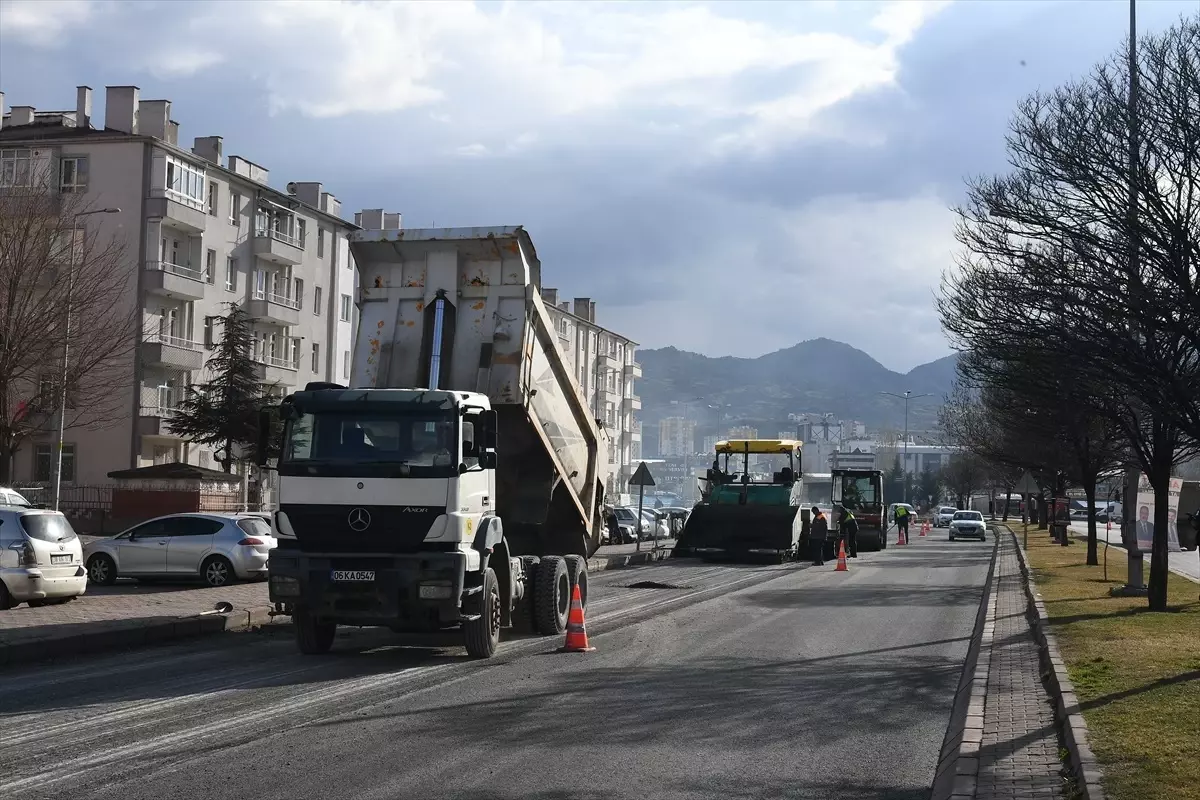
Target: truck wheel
column 313, row 637
column 577, row 567
column 482, row 636
column 552, row 596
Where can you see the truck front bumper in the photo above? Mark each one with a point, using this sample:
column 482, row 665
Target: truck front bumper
column 419, row 591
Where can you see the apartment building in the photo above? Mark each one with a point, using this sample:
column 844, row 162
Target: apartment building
column 676, row 437
column 200, row 231
column 606, row 369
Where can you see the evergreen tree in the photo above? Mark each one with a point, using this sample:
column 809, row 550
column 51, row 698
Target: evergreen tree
column 223, row 413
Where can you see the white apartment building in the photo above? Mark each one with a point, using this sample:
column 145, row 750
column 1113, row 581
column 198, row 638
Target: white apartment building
column 200, row 231
column 676, row 437
column 605, row 367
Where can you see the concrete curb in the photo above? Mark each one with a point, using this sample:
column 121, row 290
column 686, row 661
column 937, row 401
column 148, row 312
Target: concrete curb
column 958, row 762
column 1066, row 705
column 122, row 635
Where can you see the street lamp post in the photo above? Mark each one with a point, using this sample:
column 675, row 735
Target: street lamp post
column 908, row 395
column 62, row 388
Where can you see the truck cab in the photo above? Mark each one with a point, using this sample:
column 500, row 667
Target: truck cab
column 861, row 491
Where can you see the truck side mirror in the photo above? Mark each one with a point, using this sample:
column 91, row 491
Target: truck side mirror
column 264, row 436
column 491, row 427
column 487, row 459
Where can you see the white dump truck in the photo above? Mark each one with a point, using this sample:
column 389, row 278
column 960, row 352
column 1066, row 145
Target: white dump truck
column 458, row 481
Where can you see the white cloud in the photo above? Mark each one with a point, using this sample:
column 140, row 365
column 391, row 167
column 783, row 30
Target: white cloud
column 43, row 22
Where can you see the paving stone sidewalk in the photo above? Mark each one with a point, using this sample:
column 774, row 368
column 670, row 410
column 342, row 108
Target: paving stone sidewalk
column 1018, row 755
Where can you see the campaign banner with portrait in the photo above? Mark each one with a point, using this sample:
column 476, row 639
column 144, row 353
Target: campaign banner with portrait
column 1144, row 514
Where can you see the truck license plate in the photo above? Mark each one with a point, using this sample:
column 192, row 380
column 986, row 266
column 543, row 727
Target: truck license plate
column 353, row 575
column 63, row 559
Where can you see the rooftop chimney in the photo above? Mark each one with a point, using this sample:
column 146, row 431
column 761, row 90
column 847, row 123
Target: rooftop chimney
column 583, row 308
column 154, row 118
column 21, row 115
column 370, row 219
column 307, row 192
column 121, row 108
column 209, row 148
column 83, row 106
column 592, row 311
column 550, row 297
column 391, row 222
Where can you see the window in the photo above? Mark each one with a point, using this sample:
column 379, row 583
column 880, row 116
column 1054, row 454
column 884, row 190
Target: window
column 16, row 168
column 235, row 207
column 316, row 357
column 345, row 363
column 212, row 198
column 317, row 300
column 185, row 183
column 43, row 462
column 320, row 242
column 295, row 354
column 301, row 227
column 299, row 293
column 345, row 308
column 210, row 335
column 231, row 274
column 210, row 266
column 73, row 175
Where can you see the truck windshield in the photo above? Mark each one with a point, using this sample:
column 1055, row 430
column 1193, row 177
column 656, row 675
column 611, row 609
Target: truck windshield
column 345, row 444
column 859, row 492
column 768, row 468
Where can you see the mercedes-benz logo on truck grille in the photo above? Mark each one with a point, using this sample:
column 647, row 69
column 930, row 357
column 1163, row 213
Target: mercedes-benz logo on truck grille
column 359, row 519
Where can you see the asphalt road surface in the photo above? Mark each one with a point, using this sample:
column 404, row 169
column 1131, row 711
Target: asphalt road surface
column 725, row 682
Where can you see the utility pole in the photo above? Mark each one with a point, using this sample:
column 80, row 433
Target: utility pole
column 908, row 395
column 64, row 373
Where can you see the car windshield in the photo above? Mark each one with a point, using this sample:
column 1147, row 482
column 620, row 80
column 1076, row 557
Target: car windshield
column 625, row 515
column 947, row 509
column 973, row 516
column 10, row 498
column 48, row 527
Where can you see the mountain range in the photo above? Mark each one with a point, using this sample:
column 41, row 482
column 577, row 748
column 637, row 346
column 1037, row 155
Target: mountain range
column 813, row 377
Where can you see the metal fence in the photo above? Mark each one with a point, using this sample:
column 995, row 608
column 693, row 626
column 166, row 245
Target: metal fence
column 92, row 510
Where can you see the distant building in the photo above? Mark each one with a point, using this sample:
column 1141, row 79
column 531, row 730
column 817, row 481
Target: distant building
column 676, row 437
column 606, row 370
column 920, row 457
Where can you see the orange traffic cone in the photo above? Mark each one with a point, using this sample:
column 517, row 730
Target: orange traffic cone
column 577, row 641
column 901, row 537
column 924, row 527
column 841, row 567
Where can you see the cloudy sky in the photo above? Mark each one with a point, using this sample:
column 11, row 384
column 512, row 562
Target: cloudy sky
column 729, row 178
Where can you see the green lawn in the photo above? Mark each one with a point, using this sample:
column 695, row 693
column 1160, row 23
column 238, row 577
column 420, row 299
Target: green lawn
column 1137, row 673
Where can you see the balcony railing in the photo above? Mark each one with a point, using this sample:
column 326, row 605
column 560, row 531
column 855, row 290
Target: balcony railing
column 276, row 361
column 176, row 269
column 159, row 410
column 280, row 236
column 277, row 299
column 172, row 341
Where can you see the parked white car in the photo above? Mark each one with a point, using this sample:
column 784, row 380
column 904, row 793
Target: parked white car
column 968, row 524
column 217, row 548
column 41, row 558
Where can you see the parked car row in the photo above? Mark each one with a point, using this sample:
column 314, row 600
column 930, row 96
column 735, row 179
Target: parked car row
column 43, row 561
column 655, row 523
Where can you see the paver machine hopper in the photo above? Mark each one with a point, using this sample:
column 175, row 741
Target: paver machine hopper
column 750, row 506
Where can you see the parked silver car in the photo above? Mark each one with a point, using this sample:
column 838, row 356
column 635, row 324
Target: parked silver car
column 11, row 497
column 218, row 548
column 41, row 558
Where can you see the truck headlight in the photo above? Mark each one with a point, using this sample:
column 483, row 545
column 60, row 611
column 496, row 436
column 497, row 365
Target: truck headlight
column 435, row 590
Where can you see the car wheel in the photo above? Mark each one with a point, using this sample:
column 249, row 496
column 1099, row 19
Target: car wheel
column 951, row 537
column 6, row 601
column 102, row 570
column 217, row 571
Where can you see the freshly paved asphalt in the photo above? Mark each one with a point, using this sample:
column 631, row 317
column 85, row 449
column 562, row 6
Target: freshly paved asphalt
column 740, row 682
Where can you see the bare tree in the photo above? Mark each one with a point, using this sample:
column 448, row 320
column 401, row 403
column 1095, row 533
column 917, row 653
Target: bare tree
column 52, row 265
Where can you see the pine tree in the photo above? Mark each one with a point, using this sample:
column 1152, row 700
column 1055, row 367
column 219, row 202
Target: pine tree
column 223, row 413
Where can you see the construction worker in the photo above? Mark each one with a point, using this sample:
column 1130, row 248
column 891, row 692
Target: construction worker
column 818, row 532
column 902, row 517
column 849, row 530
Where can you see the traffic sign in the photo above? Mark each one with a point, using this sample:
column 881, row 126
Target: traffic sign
column 1027, row 485
column 642, row 477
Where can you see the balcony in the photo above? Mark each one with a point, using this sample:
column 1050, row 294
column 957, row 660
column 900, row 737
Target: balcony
column 607, row 361
column 153, row 420
column 276, row 308
column 633, row 370
column 174, row 280
column 171, row 352
column 274, row 370
column 180, row 210
column 634, row 402
column 278, row 247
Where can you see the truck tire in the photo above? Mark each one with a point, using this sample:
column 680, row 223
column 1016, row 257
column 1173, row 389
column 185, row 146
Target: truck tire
column 551, row 596
column 313, row 637
column 577, row 571
column 482, row 636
